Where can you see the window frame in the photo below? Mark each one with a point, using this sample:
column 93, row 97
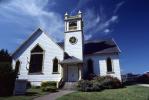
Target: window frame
column 58, row 71
column 72, row 28
column 111, row 61
column 34, row 53
column 19, row 67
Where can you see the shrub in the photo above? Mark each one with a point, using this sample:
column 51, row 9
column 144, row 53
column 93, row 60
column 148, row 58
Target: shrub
column 48, row 83
column 91, row 76
column 49, row 86
column 85, row 85
column 97, row 86
column 99, row 83
column 144, row 78
column 109, row 82
column 49, row 89
column 35, row 87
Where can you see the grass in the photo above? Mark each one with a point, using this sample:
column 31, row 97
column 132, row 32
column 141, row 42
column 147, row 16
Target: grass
column 128, row 93
column 30, row 95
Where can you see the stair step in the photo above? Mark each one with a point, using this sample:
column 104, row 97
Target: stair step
column 70, row 86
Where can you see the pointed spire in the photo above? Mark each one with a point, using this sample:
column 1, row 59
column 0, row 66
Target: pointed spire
column 79, row 12
column 66, row 14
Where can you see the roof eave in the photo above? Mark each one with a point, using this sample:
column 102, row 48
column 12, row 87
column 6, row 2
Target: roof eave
column 102, row 53
column 30, row 38
column 25, row 41
column 116, row 45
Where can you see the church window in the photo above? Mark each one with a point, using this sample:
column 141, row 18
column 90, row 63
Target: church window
column 17, row 67
column 55, row 65
column 36, row 60
column 90, row 66
column 109, row 65
column 73, row 40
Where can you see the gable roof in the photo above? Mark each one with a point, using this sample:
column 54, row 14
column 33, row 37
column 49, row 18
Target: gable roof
column 25, row 42
column 70, row 59
column 90, row 47
column 36, row 32
column 102, row 46
column 61, row 44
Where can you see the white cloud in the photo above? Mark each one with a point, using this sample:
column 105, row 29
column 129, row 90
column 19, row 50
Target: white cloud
column 118, row 6
column 32, row 14
column 107, row 30
column 87, row 36
column 91, row 19
column 97, row 23
column 80, row 4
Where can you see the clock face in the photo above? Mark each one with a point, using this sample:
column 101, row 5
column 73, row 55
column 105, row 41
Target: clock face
column 73, row 40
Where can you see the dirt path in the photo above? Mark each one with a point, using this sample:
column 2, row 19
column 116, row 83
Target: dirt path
column 54, row 96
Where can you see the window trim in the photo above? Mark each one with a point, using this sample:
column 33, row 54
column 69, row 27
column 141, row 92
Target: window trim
column 43, row 53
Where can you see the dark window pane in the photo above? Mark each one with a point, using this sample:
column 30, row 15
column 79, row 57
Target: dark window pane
column 17, row 67
column 55, row 65
column 90, row 66
column 109, row 65
column 36, row 63
column 37, row 49
column 72, row 25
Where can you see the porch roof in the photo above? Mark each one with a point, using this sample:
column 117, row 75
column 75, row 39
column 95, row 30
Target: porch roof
column 71, row 60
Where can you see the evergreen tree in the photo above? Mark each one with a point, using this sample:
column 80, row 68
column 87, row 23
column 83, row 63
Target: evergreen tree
column 5, row 56
column 7, row 74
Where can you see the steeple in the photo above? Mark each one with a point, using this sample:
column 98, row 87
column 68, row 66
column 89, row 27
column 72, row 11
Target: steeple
column 73, row 23
column 74, row 35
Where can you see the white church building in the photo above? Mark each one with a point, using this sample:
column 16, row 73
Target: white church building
column 40, row 58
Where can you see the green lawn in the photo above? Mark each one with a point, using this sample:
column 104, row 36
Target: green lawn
column 129, row 93
column 31, row 93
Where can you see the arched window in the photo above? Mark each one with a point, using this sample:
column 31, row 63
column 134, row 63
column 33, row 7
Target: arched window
column 55, row 65
column 72, row 25
column 36, row 60
column 109, row 65
column 90, row 66
column 17, row 67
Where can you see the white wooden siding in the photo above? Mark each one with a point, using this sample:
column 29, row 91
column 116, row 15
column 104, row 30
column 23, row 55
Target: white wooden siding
column 100, row 65
column 52, row 50
column 75, row 50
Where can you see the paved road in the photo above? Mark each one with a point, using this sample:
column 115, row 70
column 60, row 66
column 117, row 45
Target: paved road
column 145, row 85
column 54, row 96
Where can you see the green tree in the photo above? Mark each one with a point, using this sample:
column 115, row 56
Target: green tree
column 7, row 74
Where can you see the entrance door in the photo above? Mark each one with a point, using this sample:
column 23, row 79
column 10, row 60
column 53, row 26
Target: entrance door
column 73, row 74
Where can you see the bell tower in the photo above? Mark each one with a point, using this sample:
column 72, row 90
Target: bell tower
column 74, row 35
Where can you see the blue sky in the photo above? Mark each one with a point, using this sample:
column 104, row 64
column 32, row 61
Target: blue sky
column 124, row 20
